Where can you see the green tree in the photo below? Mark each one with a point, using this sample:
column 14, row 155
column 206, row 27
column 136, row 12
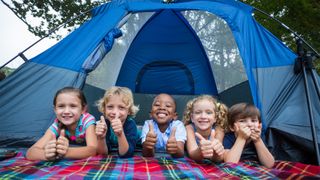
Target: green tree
column 302, row 16
column 42, row 16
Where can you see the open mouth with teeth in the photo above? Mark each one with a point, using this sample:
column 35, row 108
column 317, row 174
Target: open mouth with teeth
column 161, row 114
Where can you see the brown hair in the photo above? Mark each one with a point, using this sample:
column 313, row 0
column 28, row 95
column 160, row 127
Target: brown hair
column 221, row 110
column 242, row 110
column 127, row 98
column 77, row 91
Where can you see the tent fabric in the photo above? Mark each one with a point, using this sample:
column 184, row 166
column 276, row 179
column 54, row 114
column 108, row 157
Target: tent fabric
column 186, row 58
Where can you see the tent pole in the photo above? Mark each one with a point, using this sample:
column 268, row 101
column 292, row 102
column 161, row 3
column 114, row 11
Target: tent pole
column 306, row 65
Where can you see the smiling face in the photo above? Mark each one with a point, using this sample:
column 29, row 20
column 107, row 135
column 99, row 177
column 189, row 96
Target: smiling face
column 116, row 107
column 163, row 109
column 68, row 108
column 203, row 115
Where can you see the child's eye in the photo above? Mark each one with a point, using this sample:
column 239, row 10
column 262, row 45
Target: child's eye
column 242, row 120
column 255, row 120
column 109, row 107
column 197, row 112
column 209, row 112
column 122, row 108
column 60, row 106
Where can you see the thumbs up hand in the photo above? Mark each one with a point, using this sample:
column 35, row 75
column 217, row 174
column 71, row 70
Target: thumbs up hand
column 62, row 144
column 172, row 146
column 116, row 125
column 206, row 146
column 151, row 138
column 218, row 148
column 101, row 128
column 50, row 150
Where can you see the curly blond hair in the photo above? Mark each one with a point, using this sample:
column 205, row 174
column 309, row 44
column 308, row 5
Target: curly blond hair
column 221, row 111
column 127, row 98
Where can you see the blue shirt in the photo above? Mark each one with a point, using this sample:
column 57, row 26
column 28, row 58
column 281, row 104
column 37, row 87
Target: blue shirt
column 162, row 138
column 130, row 131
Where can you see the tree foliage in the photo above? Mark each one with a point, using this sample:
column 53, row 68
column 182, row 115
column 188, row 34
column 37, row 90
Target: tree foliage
column 43, row 16
column 302, row 16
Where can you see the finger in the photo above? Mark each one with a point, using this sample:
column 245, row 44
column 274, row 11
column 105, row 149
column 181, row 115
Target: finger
column 62, row 133
column 213, row 136
column 199, row 136
column 151, row 128
column 173, row 133
column 102, row 120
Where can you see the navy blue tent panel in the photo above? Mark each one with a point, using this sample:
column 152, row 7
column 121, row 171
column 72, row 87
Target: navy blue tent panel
column 168, row 37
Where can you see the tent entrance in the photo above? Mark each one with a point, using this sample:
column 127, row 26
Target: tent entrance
column 167, row 38
column 163, row 72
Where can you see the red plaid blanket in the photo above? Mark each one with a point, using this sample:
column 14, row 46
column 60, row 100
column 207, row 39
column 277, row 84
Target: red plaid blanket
column 138, row 167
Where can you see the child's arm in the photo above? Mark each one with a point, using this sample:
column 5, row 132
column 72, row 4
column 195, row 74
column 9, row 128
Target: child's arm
column 264, row 155
column 234, row 154
column 194, row 151
column 174, row 147
column 101, row 131
column 130, row 133
column 219, row 134
column 44, row 148
column 148, row 148
column 86, row 151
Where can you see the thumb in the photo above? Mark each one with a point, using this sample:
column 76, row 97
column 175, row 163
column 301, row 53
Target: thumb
column 102, row 120
column 199, row 136
column 173, row 132
column 62, row 133
column 151, row 128
column 213, row 136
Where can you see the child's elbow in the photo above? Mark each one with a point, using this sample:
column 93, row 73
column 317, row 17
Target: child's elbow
column 269, row 164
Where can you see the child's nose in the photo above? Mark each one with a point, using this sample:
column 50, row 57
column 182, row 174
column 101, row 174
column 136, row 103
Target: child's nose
column 66, row 110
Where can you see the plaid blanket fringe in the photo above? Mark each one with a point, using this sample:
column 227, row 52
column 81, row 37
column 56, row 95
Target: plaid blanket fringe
column 138, row 167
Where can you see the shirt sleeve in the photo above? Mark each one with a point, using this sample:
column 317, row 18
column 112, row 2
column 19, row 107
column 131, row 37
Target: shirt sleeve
column 145, row 130
column 130, row 130
column 88, row 120
column 181, row 133
column 54, row 128
column 228, row 140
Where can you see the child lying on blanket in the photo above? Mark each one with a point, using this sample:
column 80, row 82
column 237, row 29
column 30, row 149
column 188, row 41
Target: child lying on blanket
column 163, row 132
column 205, row 121
column 72, row 125
column 244, row 141
column 120, row 129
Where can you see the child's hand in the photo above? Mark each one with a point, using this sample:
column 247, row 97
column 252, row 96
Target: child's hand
column 217, row 145
column 50, row 150
column 172, row 146
column 243, row 132
column 206, row 146
column 151, row 138
column 101, row 128
column 116, row 125
column 256, row 133
column 62, row 144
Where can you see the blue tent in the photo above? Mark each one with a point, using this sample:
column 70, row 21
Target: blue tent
column 185, row 48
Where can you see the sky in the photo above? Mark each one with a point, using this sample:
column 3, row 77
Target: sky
column 15, row 37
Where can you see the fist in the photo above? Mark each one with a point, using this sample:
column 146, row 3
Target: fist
column 151, row 138
column 172, row 146
column 116, row 125
column 62, row 145
column 50, row 150
column 101, row 128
